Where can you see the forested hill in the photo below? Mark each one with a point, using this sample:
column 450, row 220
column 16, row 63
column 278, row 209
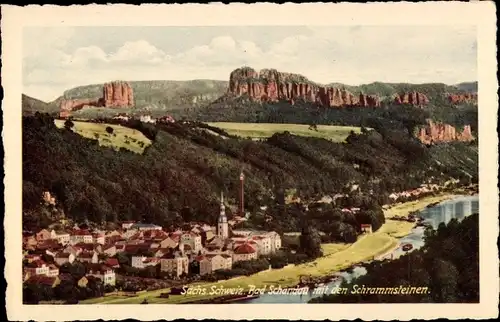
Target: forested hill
column 180, row 176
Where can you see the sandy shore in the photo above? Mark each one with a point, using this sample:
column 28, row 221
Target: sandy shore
column 339, row 257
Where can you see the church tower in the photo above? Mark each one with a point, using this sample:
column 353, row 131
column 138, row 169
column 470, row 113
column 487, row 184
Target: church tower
column 222, row 225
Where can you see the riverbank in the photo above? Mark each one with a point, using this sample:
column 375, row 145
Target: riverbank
column 337, row 257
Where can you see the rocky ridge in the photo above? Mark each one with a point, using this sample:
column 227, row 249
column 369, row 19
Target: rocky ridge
column 412, row 98
column 434, row 133
column 462, row 98
column 270, row 85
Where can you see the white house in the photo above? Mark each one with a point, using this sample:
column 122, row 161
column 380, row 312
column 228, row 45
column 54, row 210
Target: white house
column 193, row 240
column 104, row 273
column 212, row 263
column 147, row 119
column 175, row 265
column 142, row 261
column 143, row 227
column 81, row 236
column 263, row 244
column 99, row 238
column 62, row 237
column 127, row 224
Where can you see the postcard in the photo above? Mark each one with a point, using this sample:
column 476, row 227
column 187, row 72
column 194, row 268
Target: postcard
column 238, row 159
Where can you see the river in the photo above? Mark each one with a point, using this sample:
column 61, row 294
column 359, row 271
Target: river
column 459, row 208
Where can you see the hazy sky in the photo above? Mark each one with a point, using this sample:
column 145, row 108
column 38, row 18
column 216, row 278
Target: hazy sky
column 57, row 59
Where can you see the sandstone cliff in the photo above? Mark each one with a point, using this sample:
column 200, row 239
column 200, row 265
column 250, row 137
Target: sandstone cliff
column 437, row 132
column 411, row 98
column 270, row 85
column 462, row 98
column 115, row 95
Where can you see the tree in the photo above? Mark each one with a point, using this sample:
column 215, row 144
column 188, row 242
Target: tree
column 109, row 130
column 310, row 241
column 68, row 124
column 313, row 127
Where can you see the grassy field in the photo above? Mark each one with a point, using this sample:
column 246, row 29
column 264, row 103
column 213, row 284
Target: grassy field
column 336, row 257
column 265, row 130
column 122, row 137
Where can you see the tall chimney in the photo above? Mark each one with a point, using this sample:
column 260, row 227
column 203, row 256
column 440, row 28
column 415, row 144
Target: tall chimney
column 242, row 194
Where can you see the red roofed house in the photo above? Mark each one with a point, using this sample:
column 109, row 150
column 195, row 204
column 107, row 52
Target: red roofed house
column 212, row 263
column 48, row 244
column 37, row 267
column 112, row 262
column 75, row 250
column 366, row 228
column 51, row 281
column 169, row 242
column 32, row 257
column 88, row 257
column 127, row 224
column 30, row 242
column 43, row 234
column 63, row 258
column 53, row 270
column 160, row 252
column 89, row 247
column 109, row 249
column 61, row 236
column 245, row 252
column 99, row 238
column 81, row 236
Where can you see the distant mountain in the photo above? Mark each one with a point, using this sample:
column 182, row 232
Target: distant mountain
column 434, row 91
column 470, row 87
column 31, row 105
column 213, row 100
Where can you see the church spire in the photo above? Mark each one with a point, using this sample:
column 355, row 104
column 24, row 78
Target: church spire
column 222, row 224
column 222, row 207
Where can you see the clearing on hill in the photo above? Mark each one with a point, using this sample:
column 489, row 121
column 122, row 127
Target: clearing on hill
column 264, row 130
column 121, row 137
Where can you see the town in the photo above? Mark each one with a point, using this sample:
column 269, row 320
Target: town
column 171, row 253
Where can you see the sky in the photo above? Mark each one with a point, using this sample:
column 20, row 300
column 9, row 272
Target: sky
column 56, row 59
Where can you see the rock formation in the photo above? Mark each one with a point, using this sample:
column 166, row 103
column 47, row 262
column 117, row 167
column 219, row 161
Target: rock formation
column 114, row 95
column 438, row 132
column 270, row 85
column 70, row 105
column 411, row 98
column 117, row 94
column 462, row 98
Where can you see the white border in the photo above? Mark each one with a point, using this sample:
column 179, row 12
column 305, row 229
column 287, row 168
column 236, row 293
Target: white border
column 481, row 14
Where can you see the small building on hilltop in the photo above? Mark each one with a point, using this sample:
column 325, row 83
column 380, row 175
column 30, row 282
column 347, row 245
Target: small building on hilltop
column 366, row 228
